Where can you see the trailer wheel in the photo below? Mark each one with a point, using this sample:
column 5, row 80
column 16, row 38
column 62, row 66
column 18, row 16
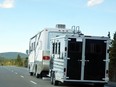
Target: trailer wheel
column 41, row 75
column 31, row 73
column 55, row 82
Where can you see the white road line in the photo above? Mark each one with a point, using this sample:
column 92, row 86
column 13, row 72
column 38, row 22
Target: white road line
column 16, row 73
column 21, row 76
column 33, row 82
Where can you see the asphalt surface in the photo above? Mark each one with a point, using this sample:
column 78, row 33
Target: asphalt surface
column 11, row 76
column 19, row 77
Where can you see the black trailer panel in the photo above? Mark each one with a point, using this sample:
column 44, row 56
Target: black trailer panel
column 74, row 61
column 95, row 54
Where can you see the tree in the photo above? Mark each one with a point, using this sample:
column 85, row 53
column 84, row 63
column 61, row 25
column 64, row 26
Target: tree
column 26, row 62
column 19, row 61
column 113, row 48
column 2, row 59
column 113, row 59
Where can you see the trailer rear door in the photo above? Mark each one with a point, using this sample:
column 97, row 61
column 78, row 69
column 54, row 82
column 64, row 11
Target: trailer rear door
column 75, row 57
column 95, row 53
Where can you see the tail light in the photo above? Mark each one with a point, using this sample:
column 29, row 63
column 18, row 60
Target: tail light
column 46, row 58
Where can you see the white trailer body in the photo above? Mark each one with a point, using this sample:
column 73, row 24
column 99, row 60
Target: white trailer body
column 79, row 58
column 39, row 50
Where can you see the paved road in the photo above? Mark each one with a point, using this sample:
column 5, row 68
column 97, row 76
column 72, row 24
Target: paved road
column 19, row 77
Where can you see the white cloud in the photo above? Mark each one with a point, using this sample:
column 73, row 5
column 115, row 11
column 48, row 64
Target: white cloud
column 7, row 4
column 92, row 3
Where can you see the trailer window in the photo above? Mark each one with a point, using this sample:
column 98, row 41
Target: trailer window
column 59, row 48
column 53, row 46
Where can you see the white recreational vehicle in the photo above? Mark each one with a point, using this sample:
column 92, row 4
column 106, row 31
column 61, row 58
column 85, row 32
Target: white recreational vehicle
column 79, row 58
column 39, row 49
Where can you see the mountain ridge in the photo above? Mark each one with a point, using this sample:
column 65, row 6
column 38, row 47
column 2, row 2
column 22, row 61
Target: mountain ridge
column 12, row 55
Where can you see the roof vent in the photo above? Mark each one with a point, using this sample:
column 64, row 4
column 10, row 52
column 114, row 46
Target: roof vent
column 61, row 26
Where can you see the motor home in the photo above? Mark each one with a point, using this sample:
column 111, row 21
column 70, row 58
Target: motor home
column 79, row 58
column 39, row 49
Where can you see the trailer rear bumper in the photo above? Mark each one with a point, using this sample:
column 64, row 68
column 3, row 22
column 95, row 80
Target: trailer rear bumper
column 86, row 81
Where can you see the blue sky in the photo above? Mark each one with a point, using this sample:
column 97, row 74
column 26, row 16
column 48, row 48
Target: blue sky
column 21, row 19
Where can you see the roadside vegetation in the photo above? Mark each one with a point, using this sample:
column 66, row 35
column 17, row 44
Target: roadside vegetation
column 23, row 62
column 112, row 72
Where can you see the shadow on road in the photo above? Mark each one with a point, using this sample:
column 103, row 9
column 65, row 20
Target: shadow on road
column 76, row 85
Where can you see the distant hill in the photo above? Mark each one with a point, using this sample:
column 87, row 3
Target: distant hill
column 12, row 55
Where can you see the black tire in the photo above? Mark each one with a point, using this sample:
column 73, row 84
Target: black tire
column 37, row 75
column 31, row 73
column 41, row 75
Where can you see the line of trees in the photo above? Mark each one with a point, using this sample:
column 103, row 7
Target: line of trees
column 17, row 62
column 21, row 61
column 112, row 72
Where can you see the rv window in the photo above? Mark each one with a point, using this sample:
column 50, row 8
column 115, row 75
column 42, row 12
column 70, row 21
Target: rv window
column 32, row 46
